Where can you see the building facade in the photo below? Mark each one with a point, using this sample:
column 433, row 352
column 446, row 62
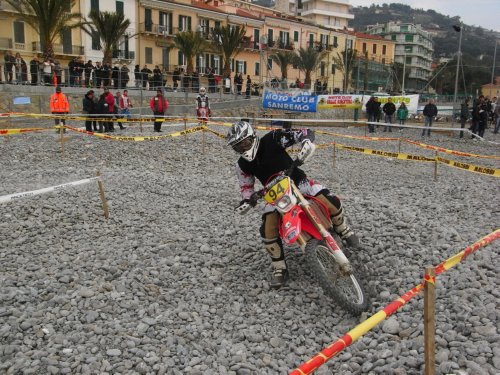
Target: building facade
column 414, row 49
column 333, row 14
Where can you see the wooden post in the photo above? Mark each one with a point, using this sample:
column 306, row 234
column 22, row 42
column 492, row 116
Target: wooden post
column 399, row 146
column 103, row 197
column 185, row 127
column 429, row 321
column 436, row 166
column 204, row 136
column 61, row 140
column 334, row 156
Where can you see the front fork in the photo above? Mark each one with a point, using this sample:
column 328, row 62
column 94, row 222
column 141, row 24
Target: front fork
column 344, row 264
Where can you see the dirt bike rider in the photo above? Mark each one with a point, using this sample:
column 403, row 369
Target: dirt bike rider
column 202, row 102
column 266, row 156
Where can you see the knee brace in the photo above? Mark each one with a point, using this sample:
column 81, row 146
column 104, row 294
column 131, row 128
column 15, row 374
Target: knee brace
column 275, row 248
column 333, row 199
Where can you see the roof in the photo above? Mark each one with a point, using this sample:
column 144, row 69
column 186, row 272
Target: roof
column 369, row 36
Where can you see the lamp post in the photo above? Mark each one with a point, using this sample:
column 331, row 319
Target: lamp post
column 459, row 55
column 404, row 73
column 493, row 68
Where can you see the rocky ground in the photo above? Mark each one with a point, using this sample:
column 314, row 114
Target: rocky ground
column 175, row 282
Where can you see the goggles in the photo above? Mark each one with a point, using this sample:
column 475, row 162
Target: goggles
column 244, row 145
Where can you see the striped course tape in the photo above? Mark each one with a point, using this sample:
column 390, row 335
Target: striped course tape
column 326, row 354
column 137, row 138
column 19, row 131
column 27, row 194
column 471, row 168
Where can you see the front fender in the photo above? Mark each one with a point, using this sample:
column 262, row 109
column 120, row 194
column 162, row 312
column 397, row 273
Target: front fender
column 293, row 223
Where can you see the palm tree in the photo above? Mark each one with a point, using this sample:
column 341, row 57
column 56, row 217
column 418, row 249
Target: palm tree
column 308, row 60
column 345, row 63
column 190, row 44
column 108, row 28
column 284, row 59
column 228, row 41
column 49, row 18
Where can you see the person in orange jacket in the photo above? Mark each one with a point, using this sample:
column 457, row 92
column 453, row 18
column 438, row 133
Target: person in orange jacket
column 59, row 105
column 159, row 105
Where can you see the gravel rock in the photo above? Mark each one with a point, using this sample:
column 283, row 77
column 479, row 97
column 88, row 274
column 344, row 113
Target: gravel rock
column 175, row 282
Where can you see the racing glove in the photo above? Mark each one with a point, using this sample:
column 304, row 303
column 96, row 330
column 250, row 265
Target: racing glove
column 307, row 150
column 244, row 206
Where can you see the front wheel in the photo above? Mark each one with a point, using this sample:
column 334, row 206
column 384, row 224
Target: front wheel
column 347, row 290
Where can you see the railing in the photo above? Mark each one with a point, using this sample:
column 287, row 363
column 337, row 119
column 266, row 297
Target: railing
column 124, row 55
column 280, row 44
column 156, row 29
column 61, row 49
column 250, row 44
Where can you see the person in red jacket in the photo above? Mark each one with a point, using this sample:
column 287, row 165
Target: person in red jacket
column 110, row 101
column 159, row 105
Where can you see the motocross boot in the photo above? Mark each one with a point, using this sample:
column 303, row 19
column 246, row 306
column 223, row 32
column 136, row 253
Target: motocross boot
column 280, row 271
column 343, row 230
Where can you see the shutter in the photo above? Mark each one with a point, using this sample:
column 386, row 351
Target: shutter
column 189, row 23
column 170, row 21
column 180, row 23
column 232, row 65
column 179, row 58
column 244, row 67
column 94, row 5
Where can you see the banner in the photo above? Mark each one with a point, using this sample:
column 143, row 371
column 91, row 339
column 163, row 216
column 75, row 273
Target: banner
column 359, row 101
column 289, row 100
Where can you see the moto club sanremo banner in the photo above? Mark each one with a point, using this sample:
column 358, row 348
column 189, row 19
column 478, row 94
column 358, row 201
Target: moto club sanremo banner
column 304, row 101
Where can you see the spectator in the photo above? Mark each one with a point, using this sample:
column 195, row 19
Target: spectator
column 18, row 61
column 186, row 81
column 158, row 105
column 370, row 114
column 117, row 111
column 146, row 75
column 483, row 116
column 48, row 66
column 112, row 109
column 389, row 108
column 156, row 78
column 211, row 80
column 88, row 69
column 73, row 72
column 24, row 72
column 125, row 104
column 325, row 88
column 115, row 76
column 137, row 76
column 98, row 73
column 57, row 72
column 103, row 111
column 195, row 81
column 249, row 87
column 430, row 111
column 124, row 70
column 89, row 107
column 464, row 115
column 474, row 126
column 106, row 74
column 378, row 110
column 59, row 106
column 175, row 78
column 239, row 83
column 402, row 114
column 9, row 66
column 317, row 87
column 497, row 116
column 34, row 69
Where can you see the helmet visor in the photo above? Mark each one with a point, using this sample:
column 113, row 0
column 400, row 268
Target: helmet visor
column 243, row 145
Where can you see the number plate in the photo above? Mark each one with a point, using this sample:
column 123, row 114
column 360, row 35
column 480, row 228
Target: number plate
column 277, row 190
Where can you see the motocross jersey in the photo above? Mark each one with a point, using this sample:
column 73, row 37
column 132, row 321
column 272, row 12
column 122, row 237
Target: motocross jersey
column 271, row 158
column 202, row 102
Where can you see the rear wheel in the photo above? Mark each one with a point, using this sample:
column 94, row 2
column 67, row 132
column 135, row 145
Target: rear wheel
column 347, row 290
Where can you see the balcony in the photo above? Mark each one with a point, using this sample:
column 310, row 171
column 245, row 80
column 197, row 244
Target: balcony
column 60, row 49
column 280, row 44
column 122, row 55
column 318, row 46
column 5, row 43
column 248, row 43
column 158, row 30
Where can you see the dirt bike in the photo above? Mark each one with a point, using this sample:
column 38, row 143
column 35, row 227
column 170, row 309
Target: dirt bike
column 306, row 221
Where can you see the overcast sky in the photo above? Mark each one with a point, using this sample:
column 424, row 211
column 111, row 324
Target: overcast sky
column 485, row 13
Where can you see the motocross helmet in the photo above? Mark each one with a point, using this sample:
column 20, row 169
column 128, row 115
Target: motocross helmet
column 202, row 91
column 243, row 139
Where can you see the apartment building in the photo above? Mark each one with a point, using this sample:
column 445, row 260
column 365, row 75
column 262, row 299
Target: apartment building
column 333, row 14
column 414, row 48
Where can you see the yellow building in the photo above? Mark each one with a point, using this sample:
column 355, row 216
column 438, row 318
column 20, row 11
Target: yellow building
column 17, row 37
column 267, row 31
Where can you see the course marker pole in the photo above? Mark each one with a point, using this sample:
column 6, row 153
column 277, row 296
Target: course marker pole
column 429, row 321
column 334, row 156
column 436, row 166
column 105, row 207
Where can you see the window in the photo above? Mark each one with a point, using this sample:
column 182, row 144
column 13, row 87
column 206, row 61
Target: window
column 333, row 68
column 323, row 40
column 335, row 42
column 19, row 32
column 184, row 23
column 404, row 28
column 408, row 38
column 269, row 64
column 217, row 24
column 204, row 27
column 383, row 60
column 408, row 49
column 257, row 69
column 148, row 20
column 181, row 59
column 148, row 52
column 165, row 23
column 270, row 37
column 295, row 36
column 311, row 40
column 322, row 69
column 66, row 40
column 393, row 37
column 284, row 39
column 408, row 59
column 96, row 43
column 256, row 38
column 374, row 49
column 364, row 47
column 94, row 5
column 201, row 63
column 384, row 49
column 119, row 7
column 241, row 67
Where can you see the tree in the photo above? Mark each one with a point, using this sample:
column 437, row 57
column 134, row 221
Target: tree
column 308, row 60
column 228, row 41
column 49, row 18
column 345, row 63
column 284, row 59
column 190, row 44
column 108, row 28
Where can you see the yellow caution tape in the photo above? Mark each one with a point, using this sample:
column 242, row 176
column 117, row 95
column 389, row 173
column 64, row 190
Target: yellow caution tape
column 138, row 138
column 215, row 133
column 19, row 131
column 471, row 168
column 388, row 154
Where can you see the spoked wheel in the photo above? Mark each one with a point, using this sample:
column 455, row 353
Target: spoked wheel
column 346, row 290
